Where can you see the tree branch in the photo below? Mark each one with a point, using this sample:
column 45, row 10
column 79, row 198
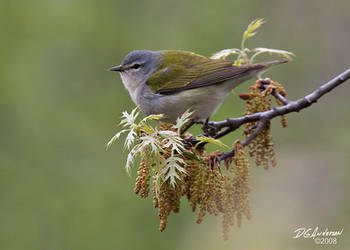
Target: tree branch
column 222, row 128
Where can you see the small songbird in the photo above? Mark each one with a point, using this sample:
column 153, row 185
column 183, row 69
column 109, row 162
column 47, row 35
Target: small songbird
column 169, row 82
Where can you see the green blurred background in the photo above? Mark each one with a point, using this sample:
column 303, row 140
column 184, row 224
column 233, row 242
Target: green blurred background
column 60, row 189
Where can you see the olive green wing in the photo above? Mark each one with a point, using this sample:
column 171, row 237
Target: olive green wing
column 179, row 69
column 218, row 76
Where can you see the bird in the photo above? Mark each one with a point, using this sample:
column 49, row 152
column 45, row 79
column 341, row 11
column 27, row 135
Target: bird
column 169, row 82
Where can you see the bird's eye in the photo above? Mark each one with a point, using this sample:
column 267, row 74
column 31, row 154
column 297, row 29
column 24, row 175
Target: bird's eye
column 136, row 66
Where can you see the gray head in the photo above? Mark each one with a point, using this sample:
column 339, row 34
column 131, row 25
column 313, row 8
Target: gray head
column 137, row 66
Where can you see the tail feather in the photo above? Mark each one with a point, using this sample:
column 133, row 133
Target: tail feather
column 261, row 68
column 275, row 62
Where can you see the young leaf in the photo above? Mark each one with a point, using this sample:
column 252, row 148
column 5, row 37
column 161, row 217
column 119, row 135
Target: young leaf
column 239, row 62
column 153, row 117
column 184, row 119
column 172, row 168
column 130, row 138
column 284, row 53
column 149, row 140
column 175, row 144
column 210, row 140
column 115, row 137
column 130, row 160
column 167, row 133
column 129, row 119
column 222, row 54
column 252, row 27
column 172, row 140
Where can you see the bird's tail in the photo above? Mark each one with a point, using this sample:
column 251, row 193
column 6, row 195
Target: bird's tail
column 261, row 68
column 270, row 63
column 263, row 65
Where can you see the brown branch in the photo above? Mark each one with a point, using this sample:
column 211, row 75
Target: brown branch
column 222, row 128
column 257, row 131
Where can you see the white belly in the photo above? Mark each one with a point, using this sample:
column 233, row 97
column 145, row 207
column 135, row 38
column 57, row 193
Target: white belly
column 203, row 101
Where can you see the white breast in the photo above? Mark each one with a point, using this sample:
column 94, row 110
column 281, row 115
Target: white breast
column 131, row 85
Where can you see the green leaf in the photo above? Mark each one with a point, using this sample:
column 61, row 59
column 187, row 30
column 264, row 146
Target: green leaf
column 252, row 27
column 191, row 155
column 153, row 117
column 222, row 54
column 147, row 128
column 239, row 62
column 284, row 53
column 210, row 140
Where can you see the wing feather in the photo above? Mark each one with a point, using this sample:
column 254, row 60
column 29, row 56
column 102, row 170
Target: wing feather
column 181, row 70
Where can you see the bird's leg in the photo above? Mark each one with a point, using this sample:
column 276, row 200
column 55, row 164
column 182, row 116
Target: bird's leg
column 205, row 126
column 187, row 127
column 207, row 129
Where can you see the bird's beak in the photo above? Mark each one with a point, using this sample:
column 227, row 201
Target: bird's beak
column 117, row 68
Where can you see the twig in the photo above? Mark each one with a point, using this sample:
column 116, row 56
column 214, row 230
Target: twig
column 231, row 124
column 280, row 97
column 261, row 126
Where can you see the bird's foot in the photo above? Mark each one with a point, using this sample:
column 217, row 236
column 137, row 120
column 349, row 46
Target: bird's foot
column 187, row 127
column 208, row 130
